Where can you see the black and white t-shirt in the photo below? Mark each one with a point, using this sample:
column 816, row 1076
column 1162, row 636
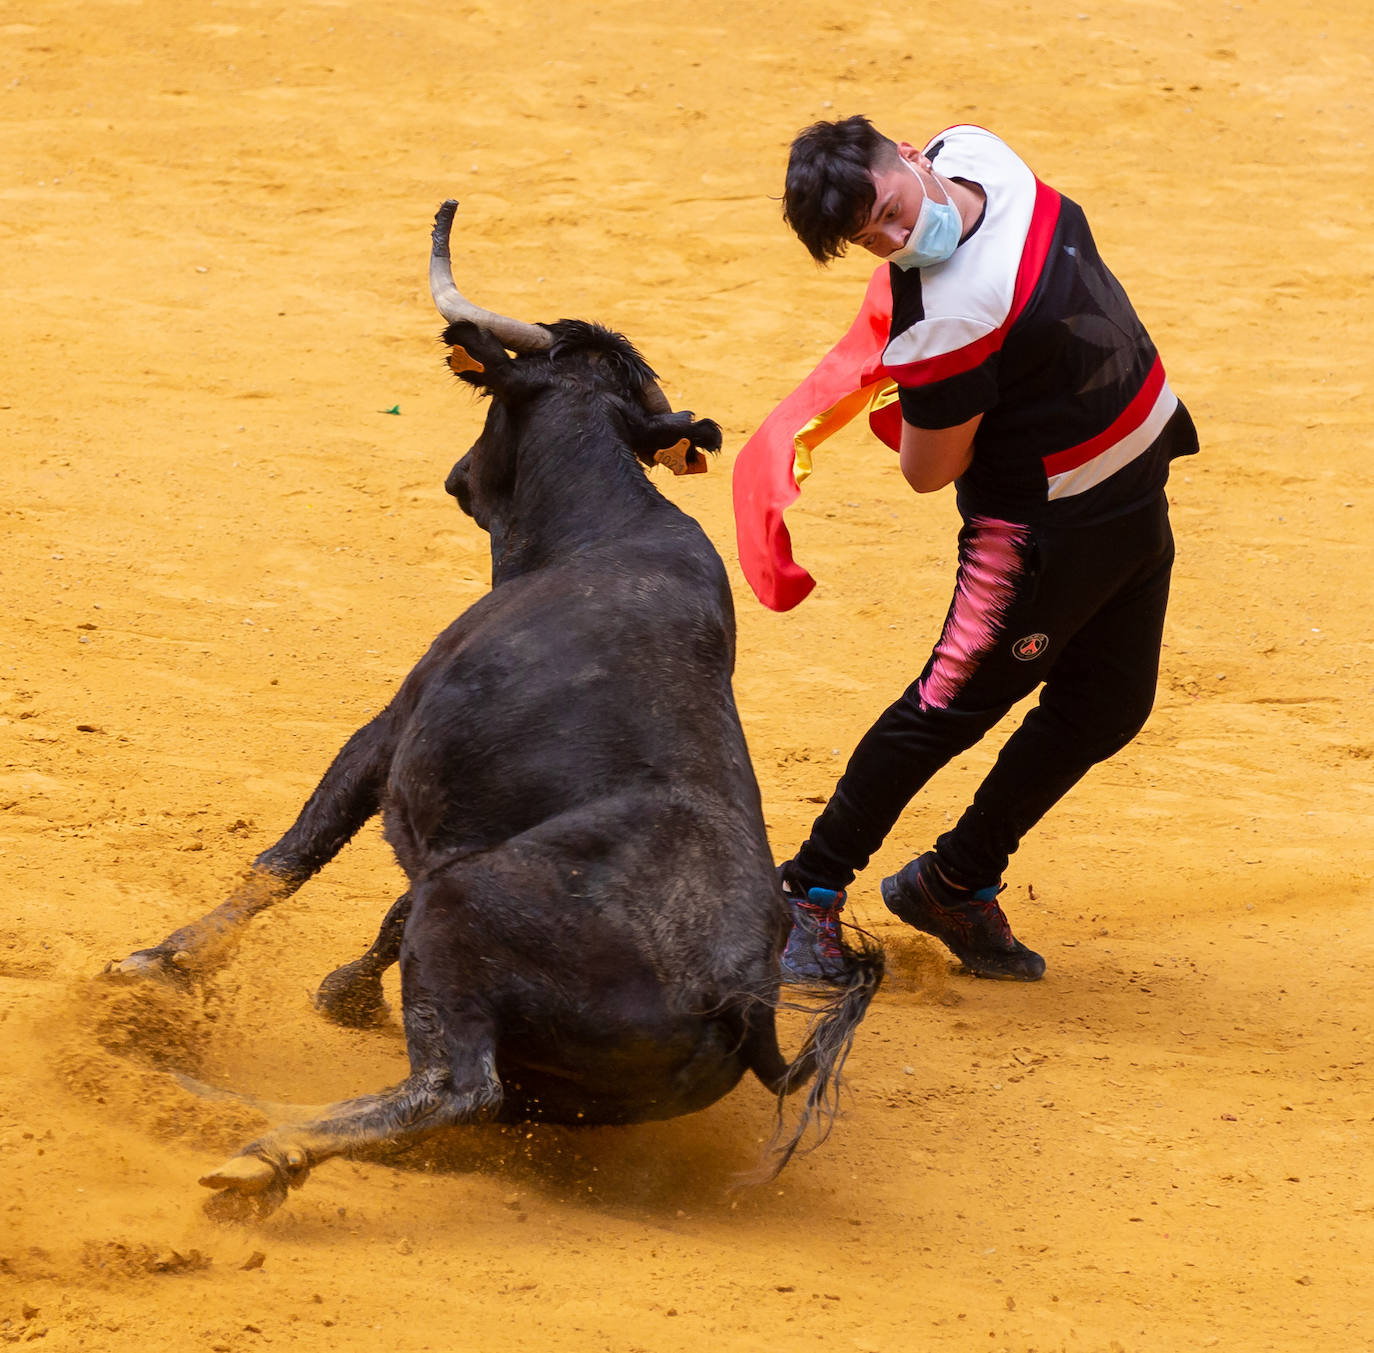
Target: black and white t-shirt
column 1025, row 325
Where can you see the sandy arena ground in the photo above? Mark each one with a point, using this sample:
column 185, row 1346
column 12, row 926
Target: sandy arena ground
column 226, row 425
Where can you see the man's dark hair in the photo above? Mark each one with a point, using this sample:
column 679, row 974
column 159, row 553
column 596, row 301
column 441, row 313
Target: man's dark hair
column 830, row 194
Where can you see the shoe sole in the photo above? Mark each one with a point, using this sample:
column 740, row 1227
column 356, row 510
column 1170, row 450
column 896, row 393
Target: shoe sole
column 800, row 979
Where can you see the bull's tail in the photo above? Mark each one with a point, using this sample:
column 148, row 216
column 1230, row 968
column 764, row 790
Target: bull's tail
column 834, row 1019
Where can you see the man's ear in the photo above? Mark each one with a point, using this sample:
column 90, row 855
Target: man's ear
column 475, row 356
column 913, row 155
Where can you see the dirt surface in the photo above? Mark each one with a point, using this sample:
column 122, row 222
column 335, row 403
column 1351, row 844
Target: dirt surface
column 226, row 424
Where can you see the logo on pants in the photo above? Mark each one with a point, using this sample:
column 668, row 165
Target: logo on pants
column 1031, row 647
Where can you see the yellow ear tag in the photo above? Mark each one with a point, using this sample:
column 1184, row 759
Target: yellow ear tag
column 459, row 361
column 675, row 458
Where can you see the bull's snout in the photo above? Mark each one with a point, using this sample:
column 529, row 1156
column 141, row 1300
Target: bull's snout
column 457, row 485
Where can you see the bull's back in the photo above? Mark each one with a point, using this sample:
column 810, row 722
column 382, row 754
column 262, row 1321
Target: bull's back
column 566, row 685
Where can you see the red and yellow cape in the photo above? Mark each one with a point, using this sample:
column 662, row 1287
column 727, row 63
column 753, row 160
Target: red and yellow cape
column 777, row 458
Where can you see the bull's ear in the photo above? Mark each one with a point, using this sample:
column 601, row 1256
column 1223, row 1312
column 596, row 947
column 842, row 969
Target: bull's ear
column 674, row 440
column 475, row 356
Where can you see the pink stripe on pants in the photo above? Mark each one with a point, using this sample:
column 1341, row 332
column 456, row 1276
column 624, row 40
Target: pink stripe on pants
column 992, row 562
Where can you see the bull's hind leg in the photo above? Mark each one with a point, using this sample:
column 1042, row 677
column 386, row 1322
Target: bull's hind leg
column 349, row 794
column 451, row 1039
column 455, row 1082
column 352, row 994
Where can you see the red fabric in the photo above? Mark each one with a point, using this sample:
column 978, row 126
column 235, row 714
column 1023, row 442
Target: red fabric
column 764, row 480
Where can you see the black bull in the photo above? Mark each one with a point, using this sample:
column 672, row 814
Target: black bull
column 592, row 924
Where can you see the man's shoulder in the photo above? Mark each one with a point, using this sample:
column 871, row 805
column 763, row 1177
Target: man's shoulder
column 966, row 140
column 972, row 294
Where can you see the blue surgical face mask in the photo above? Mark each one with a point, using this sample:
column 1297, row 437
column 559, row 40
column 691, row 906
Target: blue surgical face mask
column 935, row 236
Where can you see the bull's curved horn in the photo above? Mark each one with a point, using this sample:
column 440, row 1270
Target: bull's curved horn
column 452, row 305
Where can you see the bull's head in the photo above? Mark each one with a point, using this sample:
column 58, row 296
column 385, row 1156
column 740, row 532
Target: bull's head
column 680, row 455
column 480, row 343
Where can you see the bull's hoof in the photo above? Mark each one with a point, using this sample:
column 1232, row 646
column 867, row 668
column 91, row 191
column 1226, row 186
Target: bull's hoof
column 247, row 1188
column 171, row 968
column 352, row 996
column 229, row 1205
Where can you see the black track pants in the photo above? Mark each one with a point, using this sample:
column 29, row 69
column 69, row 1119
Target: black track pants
column 1081, row 610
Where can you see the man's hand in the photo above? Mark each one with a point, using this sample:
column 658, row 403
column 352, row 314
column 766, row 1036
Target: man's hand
column 934, row 457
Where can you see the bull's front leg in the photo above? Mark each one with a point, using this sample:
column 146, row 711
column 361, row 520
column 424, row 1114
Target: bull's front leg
column 344, row 800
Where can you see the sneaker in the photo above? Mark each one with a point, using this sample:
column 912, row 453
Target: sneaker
column 814, row 952
column 971, row 925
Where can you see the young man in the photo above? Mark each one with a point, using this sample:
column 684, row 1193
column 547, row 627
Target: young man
column 1027, row 381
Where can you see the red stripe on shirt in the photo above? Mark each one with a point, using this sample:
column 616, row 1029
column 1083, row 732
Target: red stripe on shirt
column 1044, row 218
column 928, row 370
column 1126, row 422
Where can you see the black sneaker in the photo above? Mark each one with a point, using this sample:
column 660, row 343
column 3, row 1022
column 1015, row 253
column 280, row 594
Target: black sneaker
column 971, row 925
column 814, row 952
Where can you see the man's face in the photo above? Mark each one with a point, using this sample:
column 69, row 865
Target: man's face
column 896, row 203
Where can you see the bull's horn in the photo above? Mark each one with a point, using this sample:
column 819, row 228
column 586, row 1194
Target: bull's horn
column 452, row 305
column 513, row 333
column 653, row 398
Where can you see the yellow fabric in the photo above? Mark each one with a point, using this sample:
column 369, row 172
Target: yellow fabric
column 878, row 395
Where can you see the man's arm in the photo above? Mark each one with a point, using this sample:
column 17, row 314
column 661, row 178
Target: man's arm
column 934, row 457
